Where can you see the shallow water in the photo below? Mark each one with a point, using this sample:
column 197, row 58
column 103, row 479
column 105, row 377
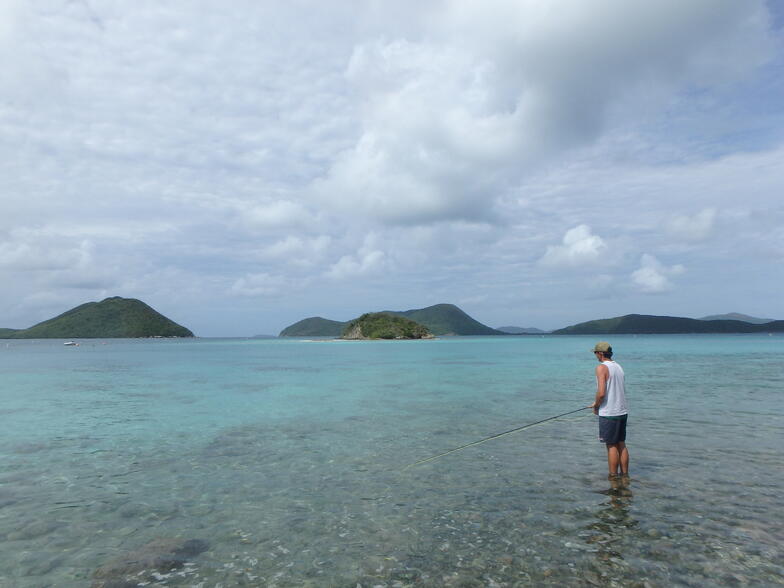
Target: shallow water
column 287, row 457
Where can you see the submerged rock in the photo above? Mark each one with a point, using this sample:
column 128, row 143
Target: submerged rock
column 159, row 556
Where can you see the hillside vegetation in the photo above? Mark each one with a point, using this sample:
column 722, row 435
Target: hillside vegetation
column 314, row 327
column 447, row 319
column 112, row 317
column 382, row 325
column 641, row 323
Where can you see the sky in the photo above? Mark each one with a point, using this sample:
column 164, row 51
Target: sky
column 242, row 165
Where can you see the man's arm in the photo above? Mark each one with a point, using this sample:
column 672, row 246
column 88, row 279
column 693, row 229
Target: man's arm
column 602, row 375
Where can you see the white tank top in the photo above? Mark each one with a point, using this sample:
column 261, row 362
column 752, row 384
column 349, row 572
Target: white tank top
column 614, row 403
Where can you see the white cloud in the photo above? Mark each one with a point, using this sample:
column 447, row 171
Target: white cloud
column 496, row 90
column 693, row 228
column 260, row 285
column 27, row 76
column 275, row 214
column 580, row 247
column 31, row 250
column 653, row 277
column 298, row 250
column 369, row 259
column 354, row 265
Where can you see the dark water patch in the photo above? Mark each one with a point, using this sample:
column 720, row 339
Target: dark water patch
column 462, row 362
column 5, row 411
column 153, row 561
column 286, row 369
column 27, row 448
column 144, row 395
column 33, row 529
column 250, row 388
column 52, row 444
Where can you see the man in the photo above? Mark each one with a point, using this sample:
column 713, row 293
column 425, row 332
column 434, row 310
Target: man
column 610, row 405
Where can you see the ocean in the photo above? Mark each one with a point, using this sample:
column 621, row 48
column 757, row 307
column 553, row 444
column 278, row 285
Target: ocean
column 270, row 462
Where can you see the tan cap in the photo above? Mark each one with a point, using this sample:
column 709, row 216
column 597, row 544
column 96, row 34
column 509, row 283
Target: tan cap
column 602, row 347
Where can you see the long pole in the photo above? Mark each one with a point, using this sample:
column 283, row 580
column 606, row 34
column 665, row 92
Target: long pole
column 421, row 461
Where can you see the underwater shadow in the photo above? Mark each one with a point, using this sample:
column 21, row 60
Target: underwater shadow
column 613, row 520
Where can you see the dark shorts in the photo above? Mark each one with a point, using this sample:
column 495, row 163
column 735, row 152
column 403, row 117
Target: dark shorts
column 612, row 429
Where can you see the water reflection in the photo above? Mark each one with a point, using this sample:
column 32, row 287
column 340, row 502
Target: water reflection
column 613, row 520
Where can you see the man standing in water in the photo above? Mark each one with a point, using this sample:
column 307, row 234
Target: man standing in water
column 610, row 405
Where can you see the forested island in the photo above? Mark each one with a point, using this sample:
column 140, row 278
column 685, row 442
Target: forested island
column 117, row 317
column 381, row 325
column 113, row 317
column 638, row 324
column 440, row 319
column 448, row 319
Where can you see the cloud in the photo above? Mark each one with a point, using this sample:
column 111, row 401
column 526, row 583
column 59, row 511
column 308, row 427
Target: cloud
column 580, row 247
column 29, row 77
column 261, row 285
column 275, row 214
column 402, row 152
column 693, row 228
column 35, row 250
column 653, row 277
column 369, row 259
column 297, row 250
column 355, row 265
column 451, row 121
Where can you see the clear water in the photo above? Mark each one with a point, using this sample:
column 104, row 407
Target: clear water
column 287, row 457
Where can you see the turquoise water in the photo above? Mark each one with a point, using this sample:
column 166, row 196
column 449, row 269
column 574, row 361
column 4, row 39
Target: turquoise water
column 286, row 457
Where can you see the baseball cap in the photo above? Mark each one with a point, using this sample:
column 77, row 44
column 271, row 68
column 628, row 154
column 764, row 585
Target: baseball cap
column 602, row 347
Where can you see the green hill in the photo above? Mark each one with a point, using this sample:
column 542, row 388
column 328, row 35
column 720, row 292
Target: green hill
column 113, row 317
column 381, row 325
column 314, row 327
column 440, row 319
column 447, row 319
column 641, row 323
column 6, row 333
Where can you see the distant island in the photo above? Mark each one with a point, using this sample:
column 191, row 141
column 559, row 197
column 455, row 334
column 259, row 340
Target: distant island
column 521, row 330
column 381, row 325
column 314, row 326
column 448, row 319
column 737, row 316
column 111, row 318
column 440, row 319
column 633, row 324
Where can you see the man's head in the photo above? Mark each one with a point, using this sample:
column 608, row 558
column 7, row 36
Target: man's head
column 603, row 349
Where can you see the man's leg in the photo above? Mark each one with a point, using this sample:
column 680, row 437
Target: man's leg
column 623, row 458
column 613, row 458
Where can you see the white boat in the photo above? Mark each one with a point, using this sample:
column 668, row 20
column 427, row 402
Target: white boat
column 72, row 343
